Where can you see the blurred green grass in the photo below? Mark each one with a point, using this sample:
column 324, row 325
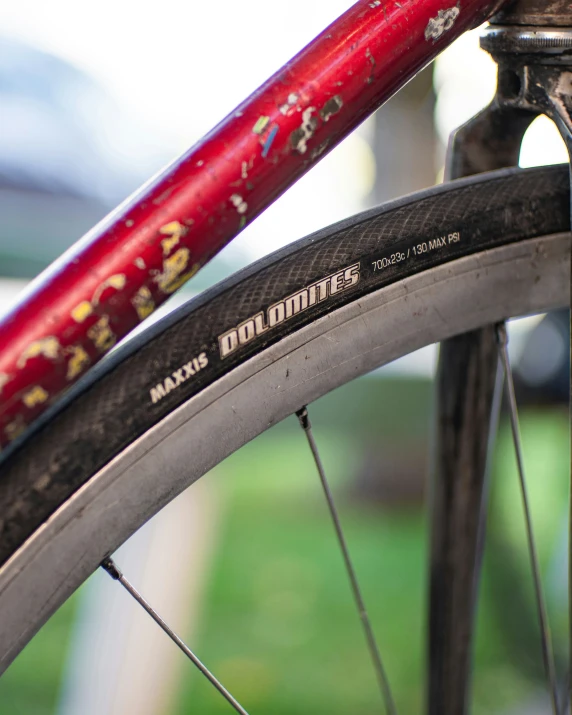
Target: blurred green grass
column 278, row 625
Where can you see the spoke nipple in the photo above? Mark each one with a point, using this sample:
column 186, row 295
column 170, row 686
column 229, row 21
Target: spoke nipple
column 502, row 336
column 302, row 415
column 109, row 565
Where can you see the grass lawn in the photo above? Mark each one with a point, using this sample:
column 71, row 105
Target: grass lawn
column 279, row 627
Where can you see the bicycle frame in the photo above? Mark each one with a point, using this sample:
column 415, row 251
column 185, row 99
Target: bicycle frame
column 136, row 258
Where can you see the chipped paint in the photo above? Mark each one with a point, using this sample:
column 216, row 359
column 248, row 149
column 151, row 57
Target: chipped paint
column 78, row 361
column 36, row 396
column 290, row 105
column 164, row 196
column 139, row 263
column 239, row 203
column 331, row 107
column 116, row 281
column 101, row 335
column 300, row 137
column 4, row 378
column 143, row 302
column 372, row 62
column 269, row 139
column 175, row 231
column 48, row 347
column 82, row 311
column 261, row 124
column 182, row 279
column 336, row 62
column 15, row 428
column 319, row 150
column 129, row 223
column 244, row 170
column 441, row 23
column 174, row 267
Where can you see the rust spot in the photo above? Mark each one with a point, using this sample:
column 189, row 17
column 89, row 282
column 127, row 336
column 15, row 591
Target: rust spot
column 331, row 107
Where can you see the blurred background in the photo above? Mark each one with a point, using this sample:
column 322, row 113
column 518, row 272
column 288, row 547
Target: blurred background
column 94, row 99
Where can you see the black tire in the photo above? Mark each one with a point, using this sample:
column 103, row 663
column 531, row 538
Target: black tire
column 123, row 397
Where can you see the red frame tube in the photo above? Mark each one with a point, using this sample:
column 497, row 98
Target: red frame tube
column 129, row 264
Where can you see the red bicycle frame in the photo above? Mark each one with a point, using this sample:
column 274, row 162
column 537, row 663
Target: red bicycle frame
column 135, row 259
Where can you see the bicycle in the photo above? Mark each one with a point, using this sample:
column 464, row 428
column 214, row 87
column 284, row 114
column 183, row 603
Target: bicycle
column 310, row 317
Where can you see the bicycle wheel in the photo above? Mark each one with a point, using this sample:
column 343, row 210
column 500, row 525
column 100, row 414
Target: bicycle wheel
column 181, row 396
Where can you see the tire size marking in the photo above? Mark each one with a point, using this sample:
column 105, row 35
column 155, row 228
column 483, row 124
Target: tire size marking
column 418, row 249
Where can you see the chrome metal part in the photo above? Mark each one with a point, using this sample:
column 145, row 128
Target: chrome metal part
column 527, row 40
column 535, row 73
column 535, row 12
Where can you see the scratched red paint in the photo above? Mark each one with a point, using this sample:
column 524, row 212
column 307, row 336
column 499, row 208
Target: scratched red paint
column 204, row 198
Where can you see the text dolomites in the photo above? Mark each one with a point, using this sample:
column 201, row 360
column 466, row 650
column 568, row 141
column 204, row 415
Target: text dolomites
column 285, row 309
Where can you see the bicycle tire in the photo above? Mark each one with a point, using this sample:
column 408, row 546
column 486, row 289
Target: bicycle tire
column 153, row 375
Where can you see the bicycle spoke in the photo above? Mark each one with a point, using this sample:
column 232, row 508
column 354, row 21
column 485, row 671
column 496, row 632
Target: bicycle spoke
column 381, row 675
column 111, row 568
column 547, row 654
